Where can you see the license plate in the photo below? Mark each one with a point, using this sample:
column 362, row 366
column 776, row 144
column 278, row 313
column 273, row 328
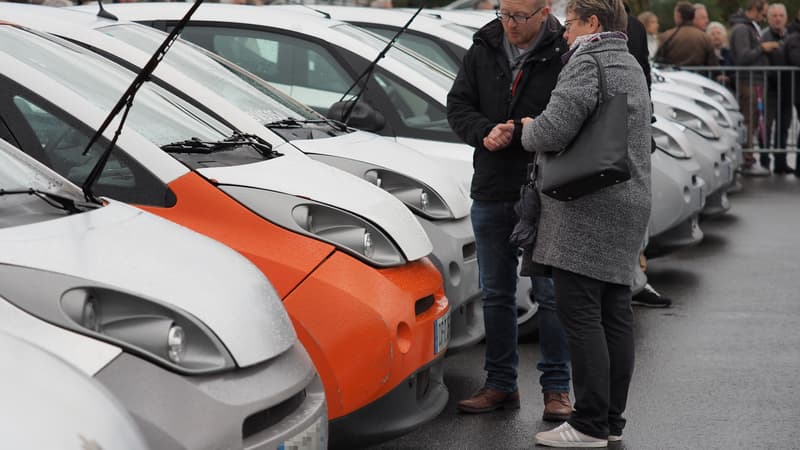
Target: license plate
column 441, row 333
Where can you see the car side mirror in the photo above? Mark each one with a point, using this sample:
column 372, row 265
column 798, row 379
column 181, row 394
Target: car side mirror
column 364, row 117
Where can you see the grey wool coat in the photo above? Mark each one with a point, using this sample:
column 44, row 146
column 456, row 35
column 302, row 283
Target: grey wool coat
column 598, row 235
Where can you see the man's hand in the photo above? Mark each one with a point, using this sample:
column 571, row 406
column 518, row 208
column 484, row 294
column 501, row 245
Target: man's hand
column 499, row 137
column 769, row 46
column 526, row 120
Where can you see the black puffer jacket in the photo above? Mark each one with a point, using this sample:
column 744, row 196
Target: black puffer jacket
column 481, row 98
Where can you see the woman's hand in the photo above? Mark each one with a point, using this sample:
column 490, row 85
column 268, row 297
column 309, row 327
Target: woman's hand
column 526, row 120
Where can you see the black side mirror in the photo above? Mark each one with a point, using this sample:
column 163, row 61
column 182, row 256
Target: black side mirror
column 364, row 117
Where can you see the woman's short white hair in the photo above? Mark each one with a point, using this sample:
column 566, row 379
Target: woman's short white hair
column 713, row 25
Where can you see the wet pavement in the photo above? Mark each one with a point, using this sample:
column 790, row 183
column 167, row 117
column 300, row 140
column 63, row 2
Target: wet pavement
column 718, row 370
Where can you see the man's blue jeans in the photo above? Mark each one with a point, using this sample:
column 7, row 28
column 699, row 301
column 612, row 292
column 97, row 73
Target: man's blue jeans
column 492, row 223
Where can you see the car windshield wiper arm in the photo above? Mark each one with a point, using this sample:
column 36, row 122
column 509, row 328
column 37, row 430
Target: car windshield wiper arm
column 59, row 201
column 126, row 102
column 196, row 145
column 365, row 76
column 298, row 123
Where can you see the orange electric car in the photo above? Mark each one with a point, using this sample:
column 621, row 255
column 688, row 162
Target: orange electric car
column 347, row 258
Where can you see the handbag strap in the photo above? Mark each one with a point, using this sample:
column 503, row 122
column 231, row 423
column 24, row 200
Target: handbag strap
column 601, row 76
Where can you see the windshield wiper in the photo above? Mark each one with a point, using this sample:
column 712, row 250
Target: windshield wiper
column 365, row 76
column 299, row 123
column 59, row 201
column 195, row 145
column 125, row 102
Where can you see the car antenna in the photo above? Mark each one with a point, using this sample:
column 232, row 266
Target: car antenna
column 104, row 13
column 367, row 73
column 126, row 101
column 324, row 14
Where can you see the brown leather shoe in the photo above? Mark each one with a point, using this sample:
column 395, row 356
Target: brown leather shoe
column 557, row 406
column 488, row 399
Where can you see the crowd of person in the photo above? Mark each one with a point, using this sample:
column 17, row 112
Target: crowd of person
column 759, row 35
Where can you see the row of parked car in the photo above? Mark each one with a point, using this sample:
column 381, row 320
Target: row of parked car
column 354, row 269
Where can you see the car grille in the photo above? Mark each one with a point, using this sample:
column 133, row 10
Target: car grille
column 260, row 421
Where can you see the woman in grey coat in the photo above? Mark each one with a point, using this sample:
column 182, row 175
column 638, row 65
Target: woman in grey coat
column 591, row 244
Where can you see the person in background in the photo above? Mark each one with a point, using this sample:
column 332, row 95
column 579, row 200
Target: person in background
column 685, row 45
column 589, row 245
column 748, row 50
column 650, row 22
column 381, row 4
column 719, row 39
column 792, row 50
column 508, row 73
column 779, row 97
column 700, row 17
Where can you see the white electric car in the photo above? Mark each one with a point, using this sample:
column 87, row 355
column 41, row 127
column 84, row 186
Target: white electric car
column 185, row 333
column 47, row 403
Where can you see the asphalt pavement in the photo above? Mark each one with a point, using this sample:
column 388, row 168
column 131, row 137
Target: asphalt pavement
column 720, row 369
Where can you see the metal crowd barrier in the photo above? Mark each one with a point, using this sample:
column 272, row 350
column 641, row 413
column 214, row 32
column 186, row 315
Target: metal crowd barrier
column 769, row 97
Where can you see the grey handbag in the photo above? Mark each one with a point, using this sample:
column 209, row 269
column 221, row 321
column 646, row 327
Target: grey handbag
column 597, row 157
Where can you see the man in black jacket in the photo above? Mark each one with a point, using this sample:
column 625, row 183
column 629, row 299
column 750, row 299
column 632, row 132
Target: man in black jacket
column 507, row 74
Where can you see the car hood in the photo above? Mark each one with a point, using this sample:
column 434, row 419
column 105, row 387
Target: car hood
column 129, row 249
column 303, row 177
column 385, row 153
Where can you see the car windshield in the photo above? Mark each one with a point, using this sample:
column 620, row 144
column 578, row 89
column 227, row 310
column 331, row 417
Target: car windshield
column 156, row 114
column 248, row 93
column 426, row 46
column 19, row 171
column 442, row 77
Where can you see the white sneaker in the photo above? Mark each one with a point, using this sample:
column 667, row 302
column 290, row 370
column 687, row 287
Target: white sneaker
column 754, row 170
column 614, row 437
column 566, row 436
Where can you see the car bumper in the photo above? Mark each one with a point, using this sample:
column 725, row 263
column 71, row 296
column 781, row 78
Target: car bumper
column 418, row 399
column 716, row 160
column 455, row 256
column 678, row 193
column 685, row 234
column 367, row 330
column 258, row 407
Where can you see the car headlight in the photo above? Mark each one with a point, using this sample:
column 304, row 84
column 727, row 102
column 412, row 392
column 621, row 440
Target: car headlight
column 422, row 200
column 670, row 146
column 715, row 113
column 347, row 231
column 419, row 197
column 692, row 122
column 721, row 99
column 145, row 328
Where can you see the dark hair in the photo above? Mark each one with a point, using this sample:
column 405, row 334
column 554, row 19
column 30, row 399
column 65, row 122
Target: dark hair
column 685, row 11
column 755, row 4
column 610, row 13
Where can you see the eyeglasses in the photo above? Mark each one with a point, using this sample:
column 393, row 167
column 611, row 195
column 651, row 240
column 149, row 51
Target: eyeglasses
column 516, row 18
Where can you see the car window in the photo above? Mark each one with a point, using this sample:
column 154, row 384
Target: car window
column 303, row 70
column 156, row 114
column 61, row 145
column 248, row 93
column 425, row 46
column 414, row 110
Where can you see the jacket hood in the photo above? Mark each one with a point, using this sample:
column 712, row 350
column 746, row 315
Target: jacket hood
column 738, row 18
